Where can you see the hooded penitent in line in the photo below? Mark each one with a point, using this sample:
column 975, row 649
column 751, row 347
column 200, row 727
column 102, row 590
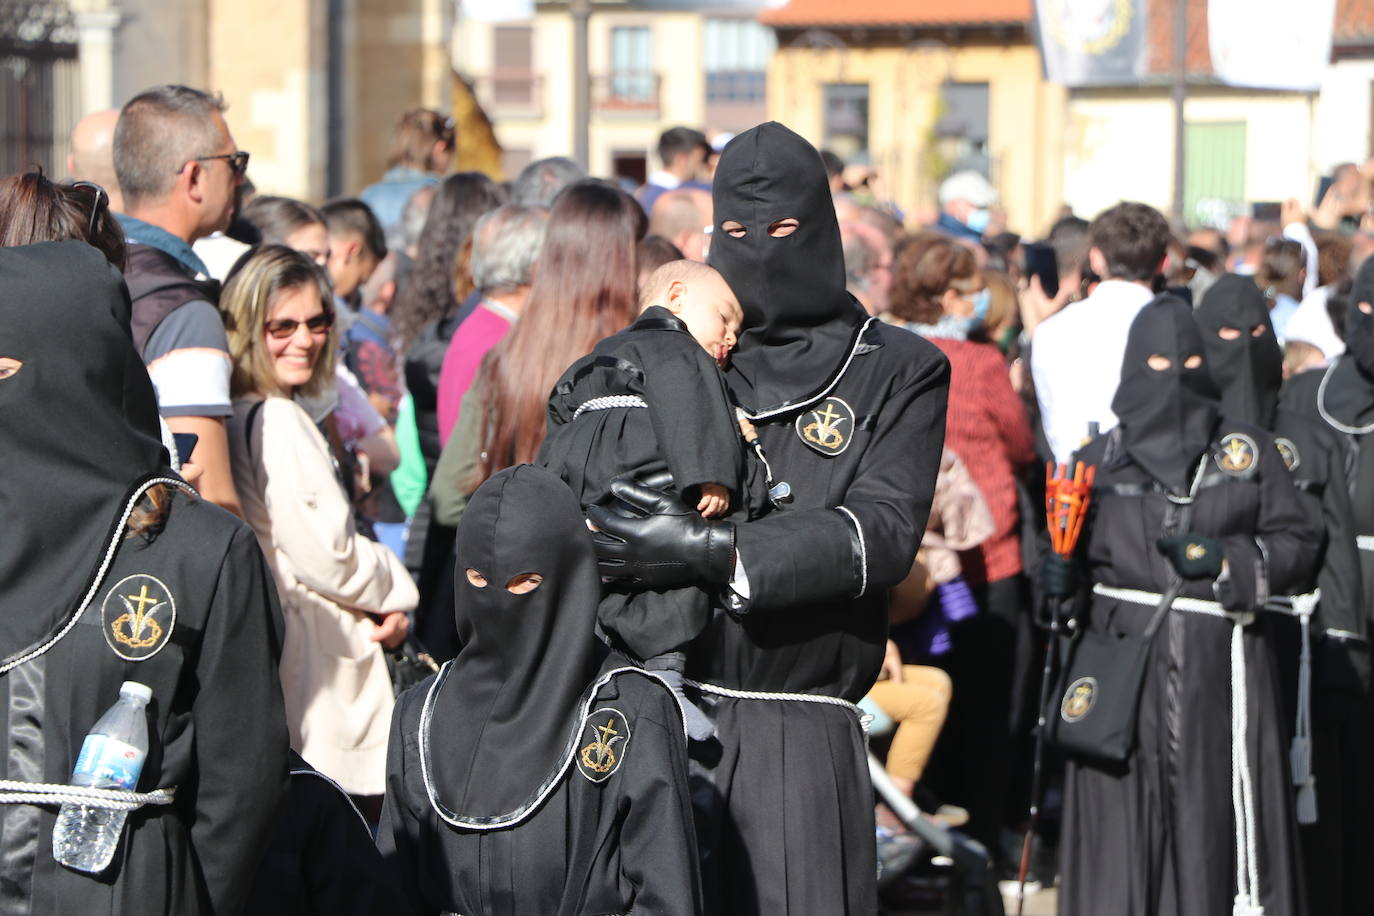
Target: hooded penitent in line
column 1339, row 399
column 1185, row 497
column 851, row 416
column 517, row 786
column 178, row 599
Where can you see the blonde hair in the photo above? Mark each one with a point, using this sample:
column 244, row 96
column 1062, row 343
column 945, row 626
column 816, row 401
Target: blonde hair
column 254, row 285
column 665, row 275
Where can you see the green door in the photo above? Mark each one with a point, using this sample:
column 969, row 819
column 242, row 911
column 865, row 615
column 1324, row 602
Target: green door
column 1214, row 172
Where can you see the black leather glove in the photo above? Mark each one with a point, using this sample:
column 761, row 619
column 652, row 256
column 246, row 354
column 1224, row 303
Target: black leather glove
column 1058, row 578
column 1192, row 555
column 667, row 546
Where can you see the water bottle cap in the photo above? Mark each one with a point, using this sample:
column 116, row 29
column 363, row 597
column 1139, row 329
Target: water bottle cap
column 135, row 689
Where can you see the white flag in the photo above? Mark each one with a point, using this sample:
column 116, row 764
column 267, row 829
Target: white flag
column 1271, row 44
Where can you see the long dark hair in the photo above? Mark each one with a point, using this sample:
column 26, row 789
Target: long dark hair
column 428, row 293
column 584, row 289
column 34, row 209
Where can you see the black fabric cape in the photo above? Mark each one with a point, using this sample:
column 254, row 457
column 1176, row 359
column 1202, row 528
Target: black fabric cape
column 217, row 731
column 321, row 859
column 618, row 846
column 487, row 810
column 786, row 815
column 1155, row 837
column 688, row 430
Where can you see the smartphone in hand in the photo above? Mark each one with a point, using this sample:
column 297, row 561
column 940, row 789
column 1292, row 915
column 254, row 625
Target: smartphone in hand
column 1041, row 262
column 186, row 444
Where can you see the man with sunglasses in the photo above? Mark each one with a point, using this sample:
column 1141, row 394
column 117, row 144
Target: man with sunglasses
column 178, row 167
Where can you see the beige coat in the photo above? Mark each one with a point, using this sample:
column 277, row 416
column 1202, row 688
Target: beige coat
column 334, row 679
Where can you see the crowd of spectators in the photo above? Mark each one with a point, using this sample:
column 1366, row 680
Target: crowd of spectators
column 355, row 371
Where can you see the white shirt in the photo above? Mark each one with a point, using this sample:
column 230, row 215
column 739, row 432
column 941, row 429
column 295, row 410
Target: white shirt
column 1312, row 324
column 666, row 180
column 1076, row 362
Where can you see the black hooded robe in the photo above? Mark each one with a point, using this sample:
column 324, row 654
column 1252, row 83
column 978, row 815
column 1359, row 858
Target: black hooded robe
column 1156, row 836
column 321, row 859
column 688, row 429
column 209, row 639
column 850, row 413
column 519, row 787
column 1341, row 399
column 1248, row 369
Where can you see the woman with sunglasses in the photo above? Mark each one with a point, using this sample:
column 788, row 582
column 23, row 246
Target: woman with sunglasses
column 344, row 596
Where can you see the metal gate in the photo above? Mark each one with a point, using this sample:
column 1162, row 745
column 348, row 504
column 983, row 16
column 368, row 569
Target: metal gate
column 40, row 86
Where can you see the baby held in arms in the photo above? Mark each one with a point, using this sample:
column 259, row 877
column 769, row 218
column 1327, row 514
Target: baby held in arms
column 649, row 400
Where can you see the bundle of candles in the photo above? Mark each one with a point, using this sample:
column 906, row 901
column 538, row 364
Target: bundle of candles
column 1066, row 504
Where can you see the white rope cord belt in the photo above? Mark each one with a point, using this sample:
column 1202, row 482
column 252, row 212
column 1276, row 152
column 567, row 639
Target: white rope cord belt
column 865, row 720
column 609, row 402
column 14, row 792
column 1365, row 541
column 1242, row 789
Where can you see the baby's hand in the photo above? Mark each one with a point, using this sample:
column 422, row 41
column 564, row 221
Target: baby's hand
column 715, row 499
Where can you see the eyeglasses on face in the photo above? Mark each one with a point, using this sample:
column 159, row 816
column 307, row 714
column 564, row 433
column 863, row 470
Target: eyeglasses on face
column 282, row 328
column 238, row 161
column 102, row 200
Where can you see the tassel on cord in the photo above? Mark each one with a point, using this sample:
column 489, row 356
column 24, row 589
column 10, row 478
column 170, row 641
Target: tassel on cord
column 1300, row 754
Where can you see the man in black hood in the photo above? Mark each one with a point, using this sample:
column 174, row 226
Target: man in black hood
column 850, row 413
column 1340, row 400
column 1333, row 795
column 1194, row 522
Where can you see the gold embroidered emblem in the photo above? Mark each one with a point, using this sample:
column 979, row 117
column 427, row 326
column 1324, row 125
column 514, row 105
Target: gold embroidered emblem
column 828, row 428
column 1237, row 454
column 138, row 615
column 599, row 759
column 1288, row 452
column 1195, row 551
column 1079, row 699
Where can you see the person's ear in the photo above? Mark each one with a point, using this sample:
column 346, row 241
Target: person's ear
column 1098, row 262
column 386, row 295
column 194, row 176
column 951, row 303
column 676, row 291
column 353, row 250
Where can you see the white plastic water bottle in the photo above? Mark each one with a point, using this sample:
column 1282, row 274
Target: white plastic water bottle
column 112, row 756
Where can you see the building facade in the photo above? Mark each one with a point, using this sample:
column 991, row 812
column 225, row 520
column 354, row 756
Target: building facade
column 313, row 86
column 918, row 91
column 652, row 65
column 1241, row 145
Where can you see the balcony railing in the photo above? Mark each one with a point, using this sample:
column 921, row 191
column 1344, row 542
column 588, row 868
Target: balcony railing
column 740, row 87
column 627, row 93
column 511, row 93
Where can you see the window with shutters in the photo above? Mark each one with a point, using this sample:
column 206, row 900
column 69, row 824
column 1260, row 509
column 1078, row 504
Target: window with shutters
column 735, row 54
column 633, row 81
column 846, row 119
column 513, row 80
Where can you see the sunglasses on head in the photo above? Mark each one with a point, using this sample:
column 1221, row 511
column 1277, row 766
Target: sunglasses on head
column 102, row 199
column 282, row 328
column 238, row 161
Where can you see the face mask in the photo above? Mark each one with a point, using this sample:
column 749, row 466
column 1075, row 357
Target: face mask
column 978, row 220
column 981, row 301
